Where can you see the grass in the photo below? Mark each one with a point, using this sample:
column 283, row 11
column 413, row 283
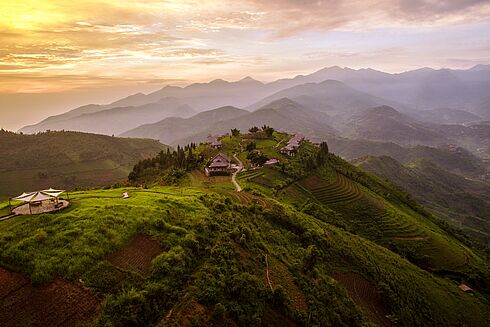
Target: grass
column 215, row 241
column 203, row 264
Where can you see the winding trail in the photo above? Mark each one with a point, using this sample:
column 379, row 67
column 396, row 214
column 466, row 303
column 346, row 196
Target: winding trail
column 233, row 176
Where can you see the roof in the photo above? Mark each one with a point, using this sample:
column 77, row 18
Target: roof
column 39, row 195
column 221, row 155
column 220, row 160
column 213, row 140
column 465, row 287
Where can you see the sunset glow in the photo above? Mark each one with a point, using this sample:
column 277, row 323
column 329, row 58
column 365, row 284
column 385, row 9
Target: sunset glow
column 60, row 45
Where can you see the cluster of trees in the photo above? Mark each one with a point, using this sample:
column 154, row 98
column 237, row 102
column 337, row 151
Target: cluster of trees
column 182, row 159
column 307, row 159
column 257, row 158
column 265, row 130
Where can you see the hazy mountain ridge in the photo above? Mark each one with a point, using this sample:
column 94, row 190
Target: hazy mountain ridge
column 423, row 89
column 172, row 129
column 445, row 116
column 384, row 123
column 283, row 114
column 109, row 121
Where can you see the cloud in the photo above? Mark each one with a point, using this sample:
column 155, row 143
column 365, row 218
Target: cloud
column 175, row 38
column 290, row 17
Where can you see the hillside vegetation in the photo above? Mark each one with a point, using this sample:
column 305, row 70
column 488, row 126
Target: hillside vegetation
column 67, row 160
column 312, row 240
column 450, row 196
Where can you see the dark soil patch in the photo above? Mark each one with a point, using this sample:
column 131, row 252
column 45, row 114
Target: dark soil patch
column 188, row 313
column 137, row 254
column 280, row 275
column 365, row 295
column 274, row 318
column 58, row 303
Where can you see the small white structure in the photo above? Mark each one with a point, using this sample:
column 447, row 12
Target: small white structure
column 43, row 201
column 465, row 288
column 271, row 162
column 125, row 195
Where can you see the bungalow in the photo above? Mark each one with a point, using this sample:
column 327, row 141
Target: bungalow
column 292, row 147
column 214, row 142
column 219, row 165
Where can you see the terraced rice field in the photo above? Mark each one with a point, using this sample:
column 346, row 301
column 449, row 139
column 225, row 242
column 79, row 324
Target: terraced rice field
column 343, row 194
column 342, row 190
column 137, row 254
column 58, row 303
column 247, row 198
column 364, row 295
column 250, row 174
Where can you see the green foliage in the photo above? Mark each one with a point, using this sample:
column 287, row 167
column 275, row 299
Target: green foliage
column 253, row 129
column 257, row 158
column 167, row 167
column 251, row 146
column 235, row 132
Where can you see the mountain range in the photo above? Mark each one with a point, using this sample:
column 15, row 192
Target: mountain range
column 332, row 89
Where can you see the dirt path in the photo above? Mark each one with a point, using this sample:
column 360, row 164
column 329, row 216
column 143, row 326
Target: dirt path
column 233, row 176
column 279, row 143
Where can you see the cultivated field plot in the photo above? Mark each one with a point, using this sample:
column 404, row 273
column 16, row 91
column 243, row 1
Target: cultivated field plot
column 137, row 254
column 365, row 295
column 58, row 303
column 247, row 198
column 279, row 274
column 342, row 190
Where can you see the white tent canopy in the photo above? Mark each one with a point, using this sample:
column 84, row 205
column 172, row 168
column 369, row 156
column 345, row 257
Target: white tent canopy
column 53, row 192
column 39, row 195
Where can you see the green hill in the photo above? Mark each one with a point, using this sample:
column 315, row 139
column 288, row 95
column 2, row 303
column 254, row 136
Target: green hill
column 310, row 241
column 67, row 160
column 453, row 159
column 450, row 196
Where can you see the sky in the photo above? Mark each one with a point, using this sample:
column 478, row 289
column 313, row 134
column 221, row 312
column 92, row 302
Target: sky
column 56, row 55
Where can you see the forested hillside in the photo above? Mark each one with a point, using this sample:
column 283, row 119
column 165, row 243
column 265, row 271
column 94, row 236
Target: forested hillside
column 67, row 159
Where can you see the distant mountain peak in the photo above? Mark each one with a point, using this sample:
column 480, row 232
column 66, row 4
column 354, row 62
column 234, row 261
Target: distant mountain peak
column 384, row 110
column 248, row 79
column 218, row 81
column 480, row 67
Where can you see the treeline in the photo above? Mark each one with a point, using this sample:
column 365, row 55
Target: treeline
column 308, row 159
column 169, row 165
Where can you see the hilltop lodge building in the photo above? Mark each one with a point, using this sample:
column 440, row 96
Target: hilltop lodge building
column 220, row 165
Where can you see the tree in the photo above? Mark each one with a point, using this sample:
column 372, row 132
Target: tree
column 269, row 131
column 251, row 146
column 254, row 129
column 324, row 147
column 235, row 132
column 257, row 158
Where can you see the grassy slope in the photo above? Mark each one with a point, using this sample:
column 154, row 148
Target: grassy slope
column 66, row 160
column 215, row 258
